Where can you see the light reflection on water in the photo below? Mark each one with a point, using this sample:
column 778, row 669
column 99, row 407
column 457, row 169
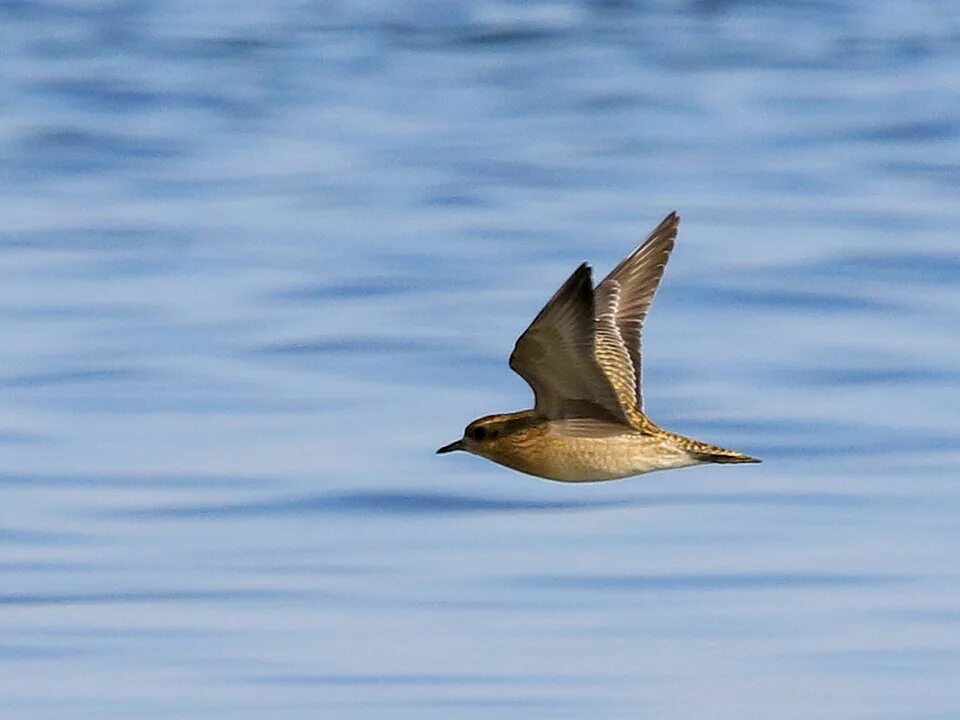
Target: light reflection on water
column 260, row 261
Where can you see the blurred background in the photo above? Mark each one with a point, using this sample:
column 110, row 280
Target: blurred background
column 260, row 260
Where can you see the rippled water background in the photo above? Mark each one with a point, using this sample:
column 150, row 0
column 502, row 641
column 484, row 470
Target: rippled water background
column 260, row 259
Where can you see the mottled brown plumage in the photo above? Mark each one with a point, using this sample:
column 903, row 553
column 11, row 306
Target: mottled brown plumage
column 581, row 356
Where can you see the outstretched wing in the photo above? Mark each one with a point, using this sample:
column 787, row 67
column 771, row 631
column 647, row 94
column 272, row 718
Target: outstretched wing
column 556, row 356
column 622, row 301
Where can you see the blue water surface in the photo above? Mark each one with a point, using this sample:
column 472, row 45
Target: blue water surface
column 259, row 260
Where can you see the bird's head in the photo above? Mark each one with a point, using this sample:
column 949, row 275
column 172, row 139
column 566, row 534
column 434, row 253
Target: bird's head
column 482, row 436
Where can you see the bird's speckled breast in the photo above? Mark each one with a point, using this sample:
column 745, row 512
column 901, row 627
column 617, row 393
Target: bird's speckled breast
column 590, row 459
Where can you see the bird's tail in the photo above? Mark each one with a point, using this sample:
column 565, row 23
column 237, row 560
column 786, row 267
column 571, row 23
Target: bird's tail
column 722, row 455
column 704, row 452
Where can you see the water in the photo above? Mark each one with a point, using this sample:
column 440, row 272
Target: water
column 259, row 260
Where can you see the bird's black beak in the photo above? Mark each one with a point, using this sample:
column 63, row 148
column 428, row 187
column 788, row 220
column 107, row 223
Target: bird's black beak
column 455, row 445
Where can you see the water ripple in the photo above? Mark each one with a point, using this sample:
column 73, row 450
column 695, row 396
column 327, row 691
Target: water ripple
column 134, row 481
column 132, row 597
column 367, row 502
column 440, row 504
column 422, row 679
column 698, row 582
column 809, row 301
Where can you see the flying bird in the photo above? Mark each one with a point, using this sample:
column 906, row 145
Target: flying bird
column 581, row 356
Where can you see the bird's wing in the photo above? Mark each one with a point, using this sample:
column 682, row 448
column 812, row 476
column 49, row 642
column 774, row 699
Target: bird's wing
column 622, row 301
column 589, row 428
column 556, row 356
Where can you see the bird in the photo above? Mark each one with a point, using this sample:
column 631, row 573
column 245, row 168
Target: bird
column 581, row 356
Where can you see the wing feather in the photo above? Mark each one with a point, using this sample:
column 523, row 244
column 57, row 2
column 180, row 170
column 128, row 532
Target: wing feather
column 623, row 300
column 556, row 356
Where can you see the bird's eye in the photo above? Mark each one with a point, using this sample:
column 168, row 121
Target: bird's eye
column 478, row 433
